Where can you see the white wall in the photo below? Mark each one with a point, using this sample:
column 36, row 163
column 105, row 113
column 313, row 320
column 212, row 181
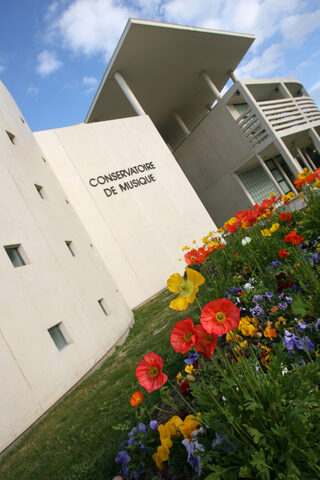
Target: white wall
column 139, row 233
column 209, row 156
column 52, row 287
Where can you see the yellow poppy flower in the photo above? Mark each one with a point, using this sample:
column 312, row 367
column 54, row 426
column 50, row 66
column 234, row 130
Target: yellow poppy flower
column 185, row 248
column 266, row 233
column 274, row 227
column 187, row 289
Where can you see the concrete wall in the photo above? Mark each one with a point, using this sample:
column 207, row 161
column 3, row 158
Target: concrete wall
column 138, row 232
column 209, row 156
column 53, row 287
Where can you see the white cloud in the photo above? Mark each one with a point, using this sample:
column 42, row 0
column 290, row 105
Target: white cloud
column 47, row 63
column 262, row 65
column 92, row 26
column 89, row 82
column 33, row 91
column 314, row 90
column 2, row 65
column 294, row 28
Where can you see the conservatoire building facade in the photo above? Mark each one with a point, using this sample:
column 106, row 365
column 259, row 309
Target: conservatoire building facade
column 93, row 216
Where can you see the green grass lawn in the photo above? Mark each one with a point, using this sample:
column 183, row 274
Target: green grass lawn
column 76, row 441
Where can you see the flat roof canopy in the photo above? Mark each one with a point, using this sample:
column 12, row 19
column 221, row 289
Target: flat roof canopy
column 162, row 63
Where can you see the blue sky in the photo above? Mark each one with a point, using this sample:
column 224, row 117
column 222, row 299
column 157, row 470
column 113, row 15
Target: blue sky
column 53, row 53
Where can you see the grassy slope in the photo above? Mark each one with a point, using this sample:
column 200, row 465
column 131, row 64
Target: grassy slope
column 76, row 440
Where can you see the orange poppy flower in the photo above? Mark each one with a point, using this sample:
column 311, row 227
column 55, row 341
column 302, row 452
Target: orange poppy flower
column 149, row 372
column 220, row 316
column 183, row 336
column 206, row 343
column 136, row 398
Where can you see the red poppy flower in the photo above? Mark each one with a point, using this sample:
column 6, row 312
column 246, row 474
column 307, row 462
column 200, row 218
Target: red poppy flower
column 285, row 217
column 149, row 372
column 183, row 336
column 136, row 398
column 220, row 316
column 206, row 343
column 293, row 238
column 196, row 256
column 283, row 253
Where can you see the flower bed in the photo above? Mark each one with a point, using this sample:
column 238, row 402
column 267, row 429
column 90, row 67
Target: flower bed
column 245, row 402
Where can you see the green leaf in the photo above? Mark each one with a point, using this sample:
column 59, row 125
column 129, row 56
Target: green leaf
column 298, row 307
column 256, row 435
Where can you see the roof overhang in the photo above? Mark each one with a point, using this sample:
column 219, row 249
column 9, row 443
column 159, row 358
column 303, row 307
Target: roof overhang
column 162, row 63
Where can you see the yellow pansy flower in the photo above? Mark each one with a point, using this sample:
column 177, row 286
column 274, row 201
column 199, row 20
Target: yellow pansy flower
column 185, row 248
column 189, row 369
column 190, row 424
column 179, row 376
column 291, row 195
column 187, row 289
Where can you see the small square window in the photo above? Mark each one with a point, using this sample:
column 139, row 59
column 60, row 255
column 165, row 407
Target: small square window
column 11, row 136
column 15, row 254
column 40, row 190
column 57, row 336
column 70, row 246
column 103, row 306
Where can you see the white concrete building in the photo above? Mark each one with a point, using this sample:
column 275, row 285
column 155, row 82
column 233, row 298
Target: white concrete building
column 93, row 216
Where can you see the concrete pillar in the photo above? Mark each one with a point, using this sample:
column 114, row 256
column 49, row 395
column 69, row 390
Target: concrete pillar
column 129, row 94
column 284, row 90
column 303, row 158
column 181, row 123
column 232, row 76
column 211, row 85
column 242, row 186
column 285, row 176
column 310, row 161
column 315, row 139
column 286, row 155
column 266, row 169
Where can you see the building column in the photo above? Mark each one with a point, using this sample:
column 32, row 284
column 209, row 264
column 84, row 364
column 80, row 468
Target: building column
column 129, row 94
column 303, row 158
column 286, row 155
column 242, row 186
column 266, row 169
column 285, row 176
column 231, row 75
column 181, row 123
column 284, row 90
column 310, row 161
column 315, row 139
column 211, row 85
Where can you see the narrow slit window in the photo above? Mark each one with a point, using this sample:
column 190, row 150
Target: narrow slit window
column 40, row 191
column 70, row 247
column 57, row 336
column 103, row 306
column 15, row 254
column 11, row 137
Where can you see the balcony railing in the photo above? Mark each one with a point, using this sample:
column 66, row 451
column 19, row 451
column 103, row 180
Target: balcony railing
column 252, row 127
column 290, row 112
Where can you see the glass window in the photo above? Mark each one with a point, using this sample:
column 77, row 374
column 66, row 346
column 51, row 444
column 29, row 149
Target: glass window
column 258, row 184
column 15, row 255
column 57, row 336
